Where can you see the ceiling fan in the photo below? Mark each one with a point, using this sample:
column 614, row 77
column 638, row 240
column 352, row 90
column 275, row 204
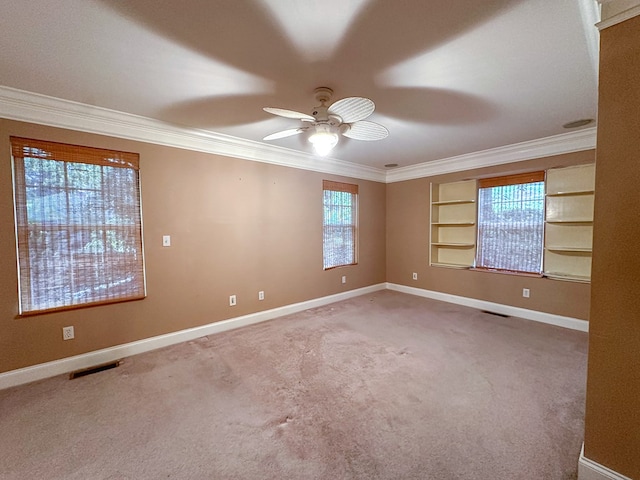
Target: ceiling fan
column 343, row 117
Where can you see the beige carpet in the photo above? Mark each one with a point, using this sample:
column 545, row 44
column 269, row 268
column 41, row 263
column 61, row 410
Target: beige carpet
column 384, row 386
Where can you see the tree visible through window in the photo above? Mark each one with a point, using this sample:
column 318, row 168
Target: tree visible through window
column 78, row 225
column 511, row 223
column 339, row 237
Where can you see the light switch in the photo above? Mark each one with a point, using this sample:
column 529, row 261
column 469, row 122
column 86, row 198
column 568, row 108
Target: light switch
column 166, row 240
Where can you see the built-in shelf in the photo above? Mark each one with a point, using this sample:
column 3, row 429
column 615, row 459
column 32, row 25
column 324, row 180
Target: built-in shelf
column 568, row 229
column 449, row 265
column 453, row 224
column 453, row 245
column 564, row 194
column 569, row 249
column 569, row 222
column 453, row 202
column 574, row 221
column 572, row 278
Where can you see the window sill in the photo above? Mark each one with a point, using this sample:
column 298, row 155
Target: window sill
column 507, row 272
column 32, row 313
column 326, row 269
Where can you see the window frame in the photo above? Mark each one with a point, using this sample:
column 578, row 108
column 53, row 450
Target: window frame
column 351, row 189
column 504, row 181
column 125, row 255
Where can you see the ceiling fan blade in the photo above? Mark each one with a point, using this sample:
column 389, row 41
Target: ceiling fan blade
column 366, row 131
column 353, row 109
column 281, row 112
column 285, row 133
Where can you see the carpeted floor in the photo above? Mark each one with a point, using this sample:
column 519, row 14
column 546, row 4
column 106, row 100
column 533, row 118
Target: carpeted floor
column 383, row 386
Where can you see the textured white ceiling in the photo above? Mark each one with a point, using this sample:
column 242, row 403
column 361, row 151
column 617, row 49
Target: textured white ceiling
column 448, row 78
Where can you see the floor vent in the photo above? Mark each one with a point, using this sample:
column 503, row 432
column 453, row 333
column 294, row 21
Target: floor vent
column 98, row 368
column 496, row 314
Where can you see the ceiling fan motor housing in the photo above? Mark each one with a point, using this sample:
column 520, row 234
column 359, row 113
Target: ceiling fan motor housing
column 323, row 94
column 321, row 112
column 322, row 115
column 344, row 117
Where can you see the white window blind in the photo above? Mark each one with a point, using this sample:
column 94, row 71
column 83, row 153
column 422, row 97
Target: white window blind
column 340, row 201
column 78, row 225
column 511, row 223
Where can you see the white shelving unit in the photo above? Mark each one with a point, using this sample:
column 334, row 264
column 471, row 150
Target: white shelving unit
column 569, row 222
column 453, row 224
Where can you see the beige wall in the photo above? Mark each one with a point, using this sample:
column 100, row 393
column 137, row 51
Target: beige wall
column 236, row 227
column 612, row 423
column 408, row 252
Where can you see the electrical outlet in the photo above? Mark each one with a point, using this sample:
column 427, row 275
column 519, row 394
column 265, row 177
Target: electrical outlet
column 344, row 279
column 232, row 300
column 166, row 240
column 260, row 295
column 415, row 276
column 525, row 292
column 67, row 333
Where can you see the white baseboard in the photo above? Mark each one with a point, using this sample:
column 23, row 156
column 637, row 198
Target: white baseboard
column 590, row 470
column 65, row 365
column 558, row 320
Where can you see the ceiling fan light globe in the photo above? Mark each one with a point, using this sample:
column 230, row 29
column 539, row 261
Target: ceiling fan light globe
column 323, row 142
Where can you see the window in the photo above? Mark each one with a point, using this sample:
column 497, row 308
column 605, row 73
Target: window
column 78, row 225
column 340, row 225
column 511, row 223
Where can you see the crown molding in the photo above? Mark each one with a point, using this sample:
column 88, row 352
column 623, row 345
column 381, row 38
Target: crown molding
column 617, row 11
column 544, row 147
column 31, row 107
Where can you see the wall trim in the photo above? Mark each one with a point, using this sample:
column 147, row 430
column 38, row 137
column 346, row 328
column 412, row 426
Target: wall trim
column 619, row 18
column 31, row 107
column 41, row 371
column 40, row 109
column 590, row 470
column 543, row 147
column 549, row 318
